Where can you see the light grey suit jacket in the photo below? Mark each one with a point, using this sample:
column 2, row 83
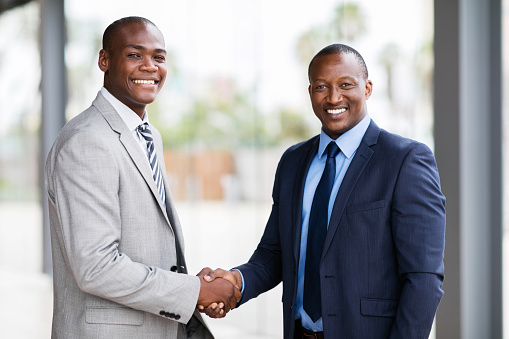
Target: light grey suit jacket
column 114, row 245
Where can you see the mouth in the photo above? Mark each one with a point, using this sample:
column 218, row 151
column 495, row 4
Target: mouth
column 336, row 110
column 145, row 82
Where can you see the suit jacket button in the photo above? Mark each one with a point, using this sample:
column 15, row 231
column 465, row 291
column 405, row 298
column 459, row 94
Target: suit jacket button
column 162, row 313
column 177, row 317
column 167, row 314
column 173, row 268
column 172, row 315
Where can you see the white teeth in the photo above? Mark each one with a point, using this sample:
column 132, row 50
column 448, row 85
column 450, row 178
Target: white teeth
column 336, row 111
column 151, row 82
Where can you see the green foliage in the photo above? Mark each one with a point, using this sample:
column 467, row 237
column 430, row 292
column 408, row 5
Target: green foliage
column 293, row 125
column 226, row 117
column 346, row 25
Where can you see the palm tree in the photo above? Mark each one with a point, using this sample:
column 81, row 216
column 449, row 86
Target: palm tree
column 347, row 24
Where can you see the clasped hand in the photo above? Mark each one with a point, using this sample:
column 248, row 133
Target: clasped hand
column 219, row 291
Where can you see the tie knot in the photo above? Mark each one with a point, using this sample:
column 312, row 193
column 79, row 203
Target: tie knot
column 143, row 127
column 332, row 150
column 145, row 131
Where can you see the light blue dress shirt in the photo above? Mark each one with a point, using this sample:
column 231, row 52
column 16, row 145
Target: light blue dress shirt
column 348, row 144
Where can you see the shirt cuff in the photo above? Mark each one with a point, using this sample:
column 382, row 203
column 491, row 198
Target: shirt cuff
column 243, row 284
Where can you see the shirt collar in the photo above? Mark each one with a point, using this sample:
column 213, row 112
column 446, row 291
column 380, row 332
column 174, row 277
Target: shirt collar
column 131, row 119
column 347, row 142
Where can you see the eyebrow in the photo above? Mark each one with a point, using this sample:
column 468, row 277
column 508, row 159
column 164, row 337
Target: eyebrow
column 142, row 48
column 346, row 77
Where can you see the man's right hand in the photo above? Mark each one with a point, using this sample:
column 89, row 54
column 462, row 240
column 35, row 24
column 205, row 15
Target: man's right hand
column 232, row 276
column 218, row 295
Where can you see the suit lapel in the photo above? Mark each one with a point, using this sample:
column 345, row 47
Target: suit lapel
column 359, row 162
column 171, row 212
column 298, row 194
column 133, row 149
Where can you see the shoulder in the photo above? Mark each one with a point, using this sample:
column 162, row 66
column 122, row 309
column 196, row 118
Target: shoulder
column 83, row 130
column 395, row 143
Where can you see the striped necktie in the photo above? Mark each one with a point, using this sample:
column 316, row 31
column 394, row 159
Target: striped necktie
column 152, row 159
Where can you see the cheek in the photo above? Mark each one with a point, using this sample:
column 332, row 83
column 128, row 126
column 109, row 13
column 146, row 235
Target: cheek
column 163, row 71
column 316, row 101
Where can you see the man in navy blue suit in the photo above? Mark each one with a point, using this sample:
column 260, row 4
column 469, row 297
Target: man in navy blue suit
column 379, row 268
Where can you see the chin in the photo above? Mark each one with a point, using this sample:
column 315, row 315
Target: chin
column 146, row 100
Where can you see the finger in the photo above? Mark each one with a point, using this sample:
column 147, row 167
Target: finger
column 217, row 273
column 214, row 313
column 220, row 273
column 204, row 271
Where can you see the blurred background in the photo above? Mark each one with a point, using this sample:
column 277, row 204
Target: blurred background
column 235, row 98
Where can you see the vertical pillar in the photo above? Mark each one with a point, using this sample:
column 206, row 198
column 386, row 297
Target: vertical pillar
column 54, row 97
column 468, row 144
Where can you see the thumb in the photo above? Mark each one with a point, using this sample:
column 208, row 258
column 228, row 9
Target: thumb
column 209, row 276
column 204, row 271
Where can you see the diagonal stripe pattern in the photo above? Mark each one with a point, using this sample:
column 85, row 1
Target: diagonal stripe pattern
column 152, row 159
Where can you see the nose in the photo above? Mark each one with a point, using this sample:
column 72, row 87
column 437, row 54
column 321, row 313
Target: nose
column 148, row 65
column 335, row 95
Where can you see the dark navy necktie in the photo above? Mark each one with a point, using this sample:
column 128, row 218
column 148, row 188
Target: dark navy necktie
column 317, row 230
column 152, row 159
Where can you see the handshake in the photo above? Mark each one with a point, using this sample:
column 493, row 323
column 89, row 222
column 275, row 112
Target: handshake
column 219, row 291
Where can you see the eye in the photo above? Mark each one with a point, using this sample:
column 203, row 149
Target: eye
column 346, row 84
column 133, row 55
column 320, row 87
column 160, row 58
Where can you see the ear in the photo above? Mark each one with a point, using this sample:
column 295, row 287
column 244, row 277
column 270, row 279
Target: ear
column 369, row 88
column 104, row 60
column 309, row 90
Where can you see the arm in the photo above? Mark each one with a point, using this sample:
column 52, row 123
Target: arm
column 418, row 229
column 84, row 186
column 264, row 269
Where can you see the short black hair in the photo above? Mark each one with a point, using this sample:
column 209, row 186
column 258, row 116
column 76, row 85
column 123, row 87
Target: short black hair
column 112, row 29
column 341, row 49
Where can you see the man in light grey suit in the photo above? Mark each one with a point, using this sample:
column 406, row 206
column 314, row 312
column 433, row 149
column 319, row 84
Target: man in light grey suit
column 117, row 244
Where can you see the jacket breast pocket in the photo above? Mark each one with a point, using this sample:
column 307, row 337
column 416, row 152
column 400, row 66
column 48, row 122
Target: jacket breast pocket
column 113, row 315
column 379, row 307
column 365, row 207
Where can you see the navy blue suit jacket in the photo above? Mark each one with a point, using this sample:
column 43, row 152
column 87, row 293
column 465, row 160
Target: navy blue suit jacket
column 381, row 270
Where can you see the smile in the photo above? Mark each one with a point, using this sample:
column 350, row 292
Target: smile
column 336, row 111
column 144, row 82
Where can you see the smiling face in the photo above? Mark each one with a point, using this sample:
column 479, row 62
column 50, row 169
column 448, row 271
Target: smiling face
column 338, row 91
column 135, row 67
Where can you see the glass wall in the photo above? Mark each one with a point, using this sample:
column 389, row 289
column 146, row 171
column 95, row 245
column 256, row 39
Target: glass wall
column 235, row 98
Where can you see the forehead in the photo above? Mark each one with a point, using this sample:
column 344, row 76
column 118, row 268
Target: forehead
column 140, row 34
column 335, row 65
